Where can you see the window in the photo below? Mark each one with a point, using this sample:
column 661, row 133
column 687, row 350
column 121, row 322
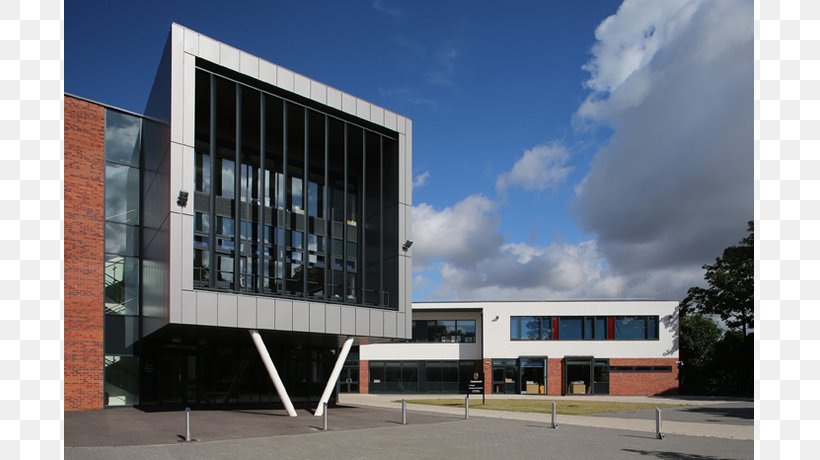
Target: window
column 636, row 328
column 290, row 200
column 571, row 328
column 448, row 330
column 530, row 327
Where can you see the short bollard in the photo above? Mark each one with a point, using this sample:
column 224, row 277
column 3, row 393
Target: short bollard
column 554, row 416
column 466, row 407
column 324, row 416
column 658, row 432
column 187, row 424
column 404, row 412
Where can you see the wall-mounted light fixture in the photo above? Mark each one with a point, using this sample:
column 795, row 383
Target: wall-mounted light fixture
column 495, row 319
column 182, row 198
column 406, row 245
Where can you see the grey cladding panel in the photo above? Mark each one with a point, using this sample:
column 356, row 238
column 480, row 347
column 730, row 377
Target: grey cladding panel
column 348, row 320
column 284, row 315
column 301, row 316
column 264, row 313
column 188, row 307
column 206, row 311
column 333, row 319
column 362, row 321
column 227, row 310
column 317, row 317
column 390, row 324
column 376, row 323
column 246, row 316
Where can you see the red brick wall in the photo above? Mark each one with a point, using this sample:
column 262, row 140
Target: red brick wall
column 555, row 377
column 488, row 376
column 643, row 383
column 83, row 231
column 364, row 377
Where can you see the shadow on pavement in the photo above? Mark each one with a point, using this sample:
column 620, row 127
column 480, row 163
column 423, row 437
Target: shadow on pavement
column 673, row 455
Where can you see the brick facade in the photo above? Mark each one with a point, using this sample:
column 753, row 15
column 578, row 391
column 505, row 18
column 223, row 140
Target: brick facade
column 84, row 241
column 488, row 376
column 555, row 376
column 643, row 383
column 364, row 377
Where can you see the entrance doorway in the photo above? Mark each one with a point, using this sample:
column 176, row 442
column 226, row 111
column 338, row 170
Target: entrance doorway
column 533, row 375
column 349, row 379
column 505, row 376
column 586, row 375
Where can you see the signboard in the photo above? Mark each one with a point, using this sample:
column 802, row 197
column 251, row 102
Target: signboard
column 476, row 386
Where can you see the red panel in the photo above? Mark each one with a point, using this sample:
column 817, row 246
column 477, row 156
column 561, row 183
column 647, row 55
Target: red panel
column 555, row 328
column 610, row 322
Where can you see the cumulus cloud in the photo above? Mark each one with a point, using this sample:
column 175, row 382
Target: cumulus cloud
column 540, row 168
column 421, row 179
column 674, row 185
column 463, row 248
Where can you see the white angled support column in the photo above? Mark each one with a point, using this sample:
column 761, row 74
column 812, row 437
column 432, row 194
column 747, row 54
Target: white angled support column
column 274, row 376
column 334, row 376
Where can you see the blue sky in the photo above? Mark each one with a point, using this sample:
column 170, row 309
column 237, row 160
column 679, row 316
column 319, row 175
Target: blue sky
column 555, row 157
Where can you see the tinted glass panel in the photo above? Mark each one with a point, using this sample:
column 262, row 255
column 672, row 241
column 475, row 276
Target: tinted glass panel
column 122, row 194
column 630, row 328
column 121, row 285
column 121, row 333
column 121, row 380
column 570, row 328
column 121, row 239
column 530, row 327
column 122, row 138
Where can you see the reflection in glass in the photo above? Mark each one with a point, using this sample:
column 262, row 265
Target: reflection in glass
column 121, row 380
column 122, row 138
column 122, row 194
column 121, row 285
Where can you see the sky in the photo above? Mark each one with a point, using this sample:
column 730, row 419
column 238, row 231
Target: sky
column 561, row 150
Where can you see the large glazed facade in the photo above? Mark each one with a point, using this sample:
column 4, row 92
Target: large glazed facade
column 246, row 198
column 564, row 347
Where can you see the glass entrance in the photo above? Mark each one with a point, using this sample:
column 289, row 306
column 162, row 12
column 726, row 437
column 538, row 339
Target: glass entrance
column 505, row 376
column 533, row 376
column 349, row 380
column 586, row 375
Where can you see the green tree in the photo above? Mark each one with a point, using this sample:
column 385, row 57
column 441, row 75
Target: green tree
column 730, row 294
column 698, row 336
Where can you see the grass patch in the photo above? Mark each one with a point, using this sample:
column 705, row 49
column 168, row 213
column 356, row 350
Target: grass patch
column 540, row 406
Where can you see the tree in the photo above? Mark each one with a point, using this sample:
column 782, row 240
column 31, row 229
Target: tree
column 698, row 336
column 730, row 294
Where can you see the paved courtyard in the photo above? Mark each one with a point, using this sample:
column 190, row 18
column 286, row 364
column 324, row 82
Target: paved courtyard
column 362, row 429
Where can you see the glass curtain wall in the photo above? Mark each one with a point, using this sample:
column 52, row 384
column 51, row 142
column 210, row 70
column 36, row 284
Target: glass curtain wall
column 291, row 201
column 121, row 274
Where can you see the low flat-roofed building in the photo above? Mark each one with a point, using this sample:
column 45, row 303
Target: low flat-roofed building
column 606, row 347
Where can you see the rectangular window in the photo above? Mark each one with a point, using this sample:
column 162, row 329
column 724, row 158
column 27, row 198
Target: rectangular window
column 571, row 327
column 515, row 328
column 636, row 328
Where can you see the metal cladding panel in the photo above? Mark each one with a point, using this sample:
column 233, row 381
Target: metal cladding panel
column 333, row 319
column 227, row 310
column 301, row 316
column 229, row 57
column 267, row 72
column 377, row 323
column 390, row 324
column 362, row 321
column 191, row 42
column 188, row 307
column 206, row 308
column 318, row 92
column 284, row 315
column 188, row 89
column 265, row 308
column 208, row 48
column 334, row 98
column 301, row 85
column 348, row 320
column 187, row 247
column 317, row 317
column 249, row 64
column 284, row 79
column 246, row 313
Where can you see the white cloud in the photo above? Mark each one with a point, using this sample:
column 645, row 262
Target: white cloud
column 460, row 234
column 674, row 185
column 382, row 6
column 540, row 168
column 421, row 179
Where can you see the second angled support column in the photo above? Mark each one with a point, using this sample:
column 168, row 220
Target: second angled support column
column 274, row 376
column 334, row 376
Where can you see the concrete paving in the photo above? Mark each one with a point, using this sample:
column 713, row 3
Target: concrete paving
column 129, row 426
column 477, row 438
column 699, row 417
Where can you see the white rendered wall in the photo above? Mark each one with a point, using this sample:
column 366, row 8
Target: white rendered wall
column 427, row 350
column 190, row 306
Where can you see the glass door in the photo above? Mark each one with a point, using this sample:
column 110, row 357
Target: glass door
column 600, row 377
column 533, row 376
column 349, row 380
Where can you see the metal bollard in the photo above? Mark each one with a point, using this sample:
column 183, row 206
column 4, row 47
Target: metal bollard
column 658, row 433
column 324, row 416
column 187, row 424
column 466, row 407
column 404, row 412
column 554, row 416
